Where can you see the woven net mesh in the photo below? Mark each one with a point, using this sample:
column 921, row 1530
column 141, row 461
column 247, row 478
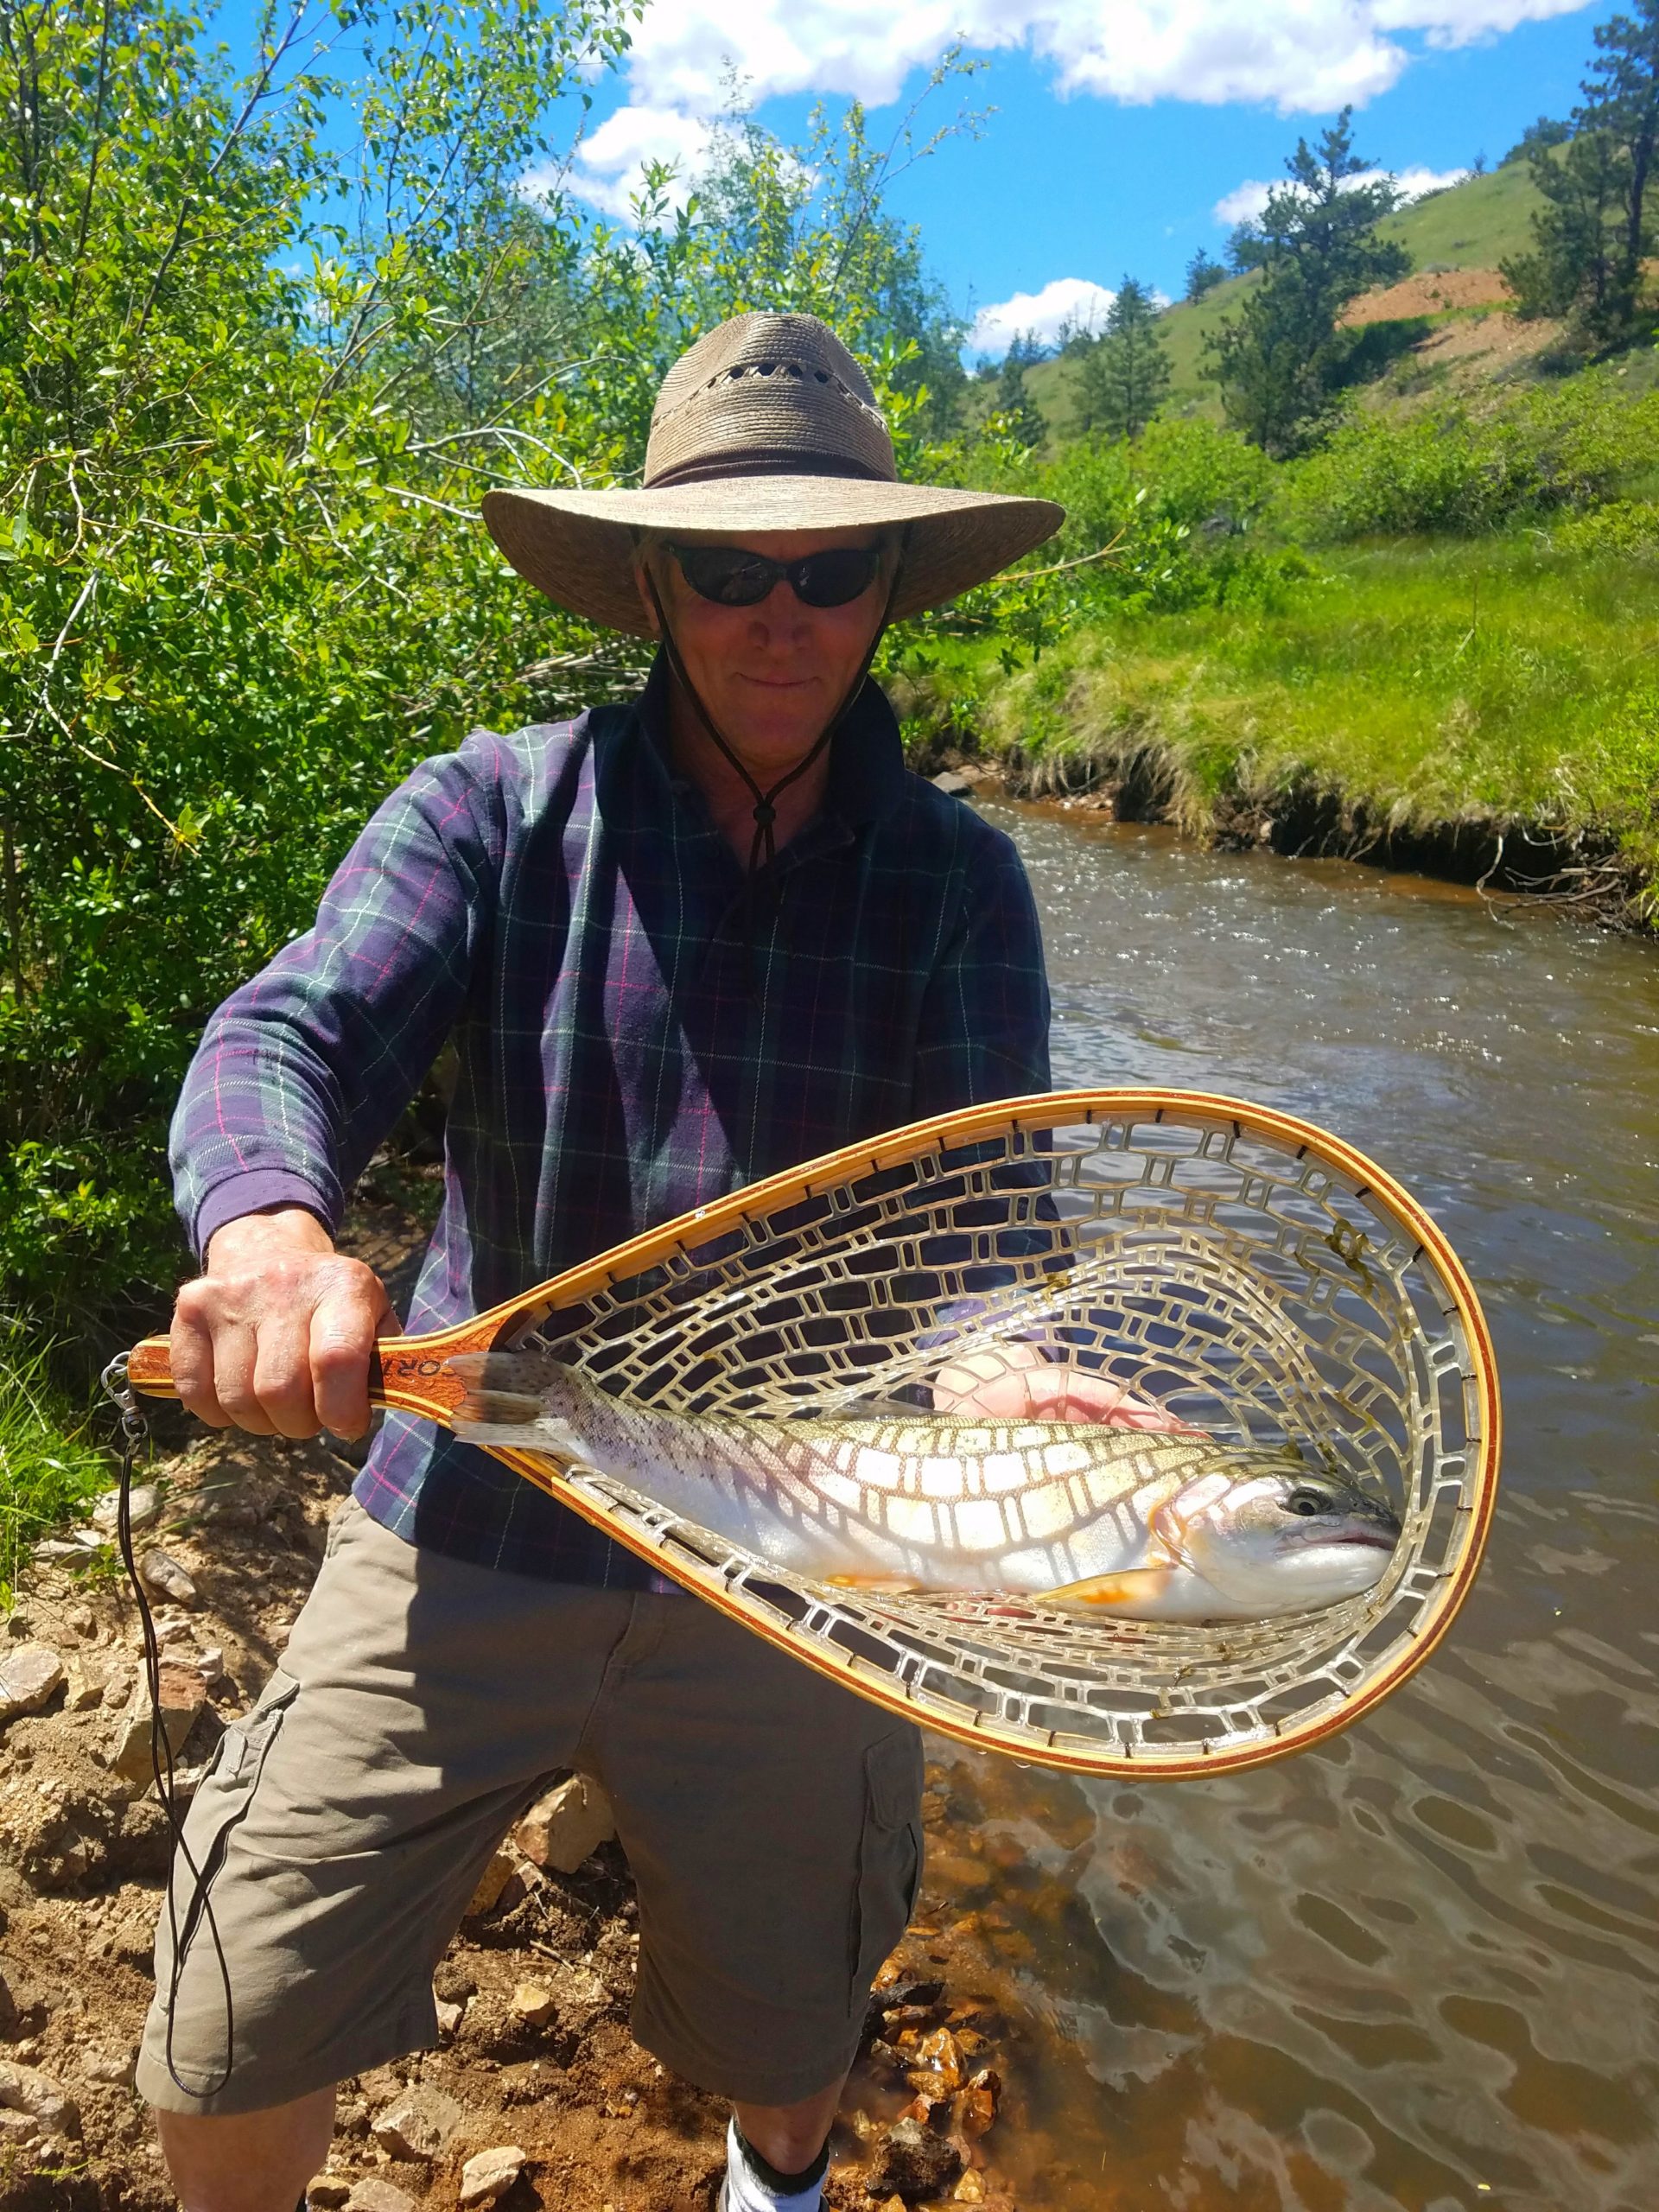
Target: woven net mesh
column 1249, row 1276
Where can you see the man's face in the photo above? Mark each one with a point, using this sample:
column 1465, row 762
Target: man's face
column 770, row 675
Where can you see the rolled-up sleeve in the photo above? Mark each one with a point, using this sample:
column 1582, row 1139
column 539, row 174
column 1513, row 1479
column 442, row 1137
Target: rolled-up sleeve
column 303, row 1073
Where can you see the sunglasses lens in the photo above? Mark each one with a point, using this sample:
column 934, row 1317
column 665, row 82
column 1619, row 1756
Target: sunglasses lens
column 727, row 574
column 837, row 575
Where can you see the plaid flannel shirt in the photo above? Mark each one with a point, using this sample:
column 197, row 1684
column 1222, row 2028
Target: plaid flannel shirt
column 638, row 1030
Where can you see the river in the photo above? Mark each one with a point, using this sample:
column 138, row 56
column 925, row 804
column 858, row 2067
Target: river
column 1415, row 1969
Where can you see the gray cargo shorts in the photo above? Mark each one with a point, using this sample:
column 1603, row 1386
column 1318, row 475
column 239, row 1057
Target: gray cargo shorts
column 771, row 1820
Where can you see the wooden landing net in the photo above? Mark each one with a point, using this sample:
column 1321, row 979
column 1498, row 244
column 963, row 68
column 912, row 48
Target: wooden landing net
column 1259, row 1277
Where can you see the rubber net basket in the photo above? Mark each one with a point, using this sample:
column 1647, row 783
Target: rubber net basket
column 1261, row 1278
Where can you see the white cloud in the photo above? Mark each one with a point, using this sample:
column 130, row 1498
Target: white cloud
column 1299, row 55
column 610, row 164
column 1418, row 182
column 1067, row 299
column 1246, row 202
column 1243, row 203
column 1460, row 22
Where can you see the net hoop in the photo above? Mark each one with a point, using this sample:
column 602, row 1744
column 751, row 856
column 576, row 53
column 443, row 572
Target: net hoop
column 1241, row 1263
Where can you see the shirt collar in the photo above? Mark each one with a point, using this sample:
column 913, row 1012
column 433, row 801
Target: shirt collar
column 866, row 755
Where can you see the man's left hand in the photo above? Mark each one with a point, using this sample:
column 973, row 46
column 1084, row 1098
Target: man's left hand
column 1017, row 1382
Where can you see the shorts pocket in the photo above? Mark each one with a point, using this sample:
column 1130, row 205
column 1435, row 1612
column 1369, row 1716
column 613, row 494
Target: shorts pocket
column 889, row 1853
column 205, row 2028
column 245, row 1745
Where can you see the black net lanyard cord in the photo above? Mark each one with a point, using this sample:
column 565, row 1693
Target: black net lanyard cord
column 200, row 1908
column 763, row 849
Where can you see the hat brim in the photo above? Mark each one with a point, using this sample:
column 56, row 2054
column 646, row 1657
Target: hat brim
column 578, row 546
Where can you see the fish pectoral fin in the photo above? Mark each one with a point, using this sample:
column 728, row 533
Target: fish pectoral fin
column 894, row 1586
column 1135, row 1587
column 497, row 1409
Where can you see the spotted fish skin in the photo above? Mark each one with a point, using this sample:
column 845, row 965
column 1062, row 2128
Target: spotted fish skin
column 932, row 1502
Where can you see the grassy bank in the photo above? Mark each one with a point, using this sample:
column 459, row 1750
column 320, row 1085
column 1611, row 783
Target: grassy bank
column 1486, row 707
column 49, row 1469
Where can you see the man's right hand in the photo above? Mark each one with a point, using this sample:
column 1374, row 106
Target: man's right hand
column 275, row 1335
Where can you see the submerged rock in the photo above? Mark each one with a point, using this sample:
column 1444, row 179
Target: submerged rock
column 913, row 2163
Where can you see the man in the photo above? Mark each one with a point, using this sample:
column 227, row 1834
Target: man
column 678, row 943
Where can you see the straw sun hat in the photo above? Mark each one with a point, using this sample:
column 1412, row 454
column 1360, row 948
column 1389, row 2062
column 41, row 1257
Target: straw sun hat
column 768, row 422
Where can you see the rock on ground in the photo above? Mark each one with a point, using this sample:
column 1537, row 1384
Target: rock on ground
column 419, row 2125
column 34, row 2095
column 183, row 1693
column 30, row 1676
column 566, row 1826
column 163, row 1577
column 491, row 2174
column 372, row 2195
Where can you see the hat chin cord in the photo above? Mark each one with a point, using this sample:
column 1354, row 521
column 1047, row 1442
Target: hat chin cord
column 763, row 851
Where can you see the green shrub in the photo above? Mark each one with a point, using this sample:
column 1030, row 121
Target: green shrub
column 1626, row 528
column 1460, row 469
column 262, row 347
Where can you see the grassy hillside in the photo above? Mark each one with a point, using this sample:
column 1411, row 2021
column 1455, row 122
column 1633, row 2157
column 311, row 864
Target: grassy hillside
column 1474, row 224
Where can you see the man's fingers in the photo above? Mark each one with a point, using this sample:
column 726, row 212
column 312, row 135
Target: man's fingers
column 343, row 1331
column 190, row 1355
column 280, row 1399
column 1097, row 1398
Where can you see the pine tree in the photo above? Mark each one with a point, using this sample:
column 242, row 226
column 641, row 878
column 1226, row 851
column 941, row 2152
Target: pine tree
column 1547, row 131
column 1203, row 275
column 1014, row 400
column 1282, row 359
column 1600, row 220
column 1123, row 378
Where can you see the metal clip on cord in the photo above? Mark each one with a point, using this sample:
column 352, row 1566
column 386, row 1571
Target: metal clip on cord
column 134, row 1430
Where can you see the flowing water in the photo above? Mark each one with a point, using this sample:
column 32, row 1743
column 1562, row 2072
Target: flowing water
column 1415, row 1969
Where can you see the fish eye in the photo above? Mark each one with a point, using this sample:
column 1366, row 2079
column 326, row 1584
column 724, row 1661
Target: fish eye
column 1307, row 1503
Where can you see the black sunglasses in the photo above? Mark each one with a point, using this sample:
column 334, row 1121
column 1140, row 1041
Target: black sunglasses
column 732, row 577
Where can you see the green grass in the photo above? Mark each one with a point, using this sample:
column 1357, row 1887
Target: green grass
column 50, row 1472
column 1504, row 680
column 1474, row 224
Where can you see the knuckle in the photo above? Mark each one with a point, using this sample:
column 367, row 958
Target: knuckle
column 340, row 1359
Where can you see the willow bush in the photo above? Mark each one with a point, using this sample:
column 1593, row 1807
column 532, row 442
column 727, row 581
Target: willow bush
column 265, row 335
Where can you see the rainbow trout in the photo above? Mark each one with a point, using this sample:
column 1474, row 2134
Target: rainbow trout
column 1091, row 1519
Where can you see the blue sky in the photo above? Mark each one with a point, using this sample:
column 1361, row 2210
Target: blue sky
column 1121, row 131
column 1120, row 125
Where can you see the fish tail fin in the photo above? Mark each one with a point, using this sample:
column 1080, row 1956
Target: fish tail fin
column 497, row 1409
column 527, row 1374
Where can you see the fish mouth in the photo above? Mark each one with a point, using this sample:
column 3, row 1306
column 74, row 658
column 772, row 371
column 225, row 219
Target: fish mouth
column 1367, row 1539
